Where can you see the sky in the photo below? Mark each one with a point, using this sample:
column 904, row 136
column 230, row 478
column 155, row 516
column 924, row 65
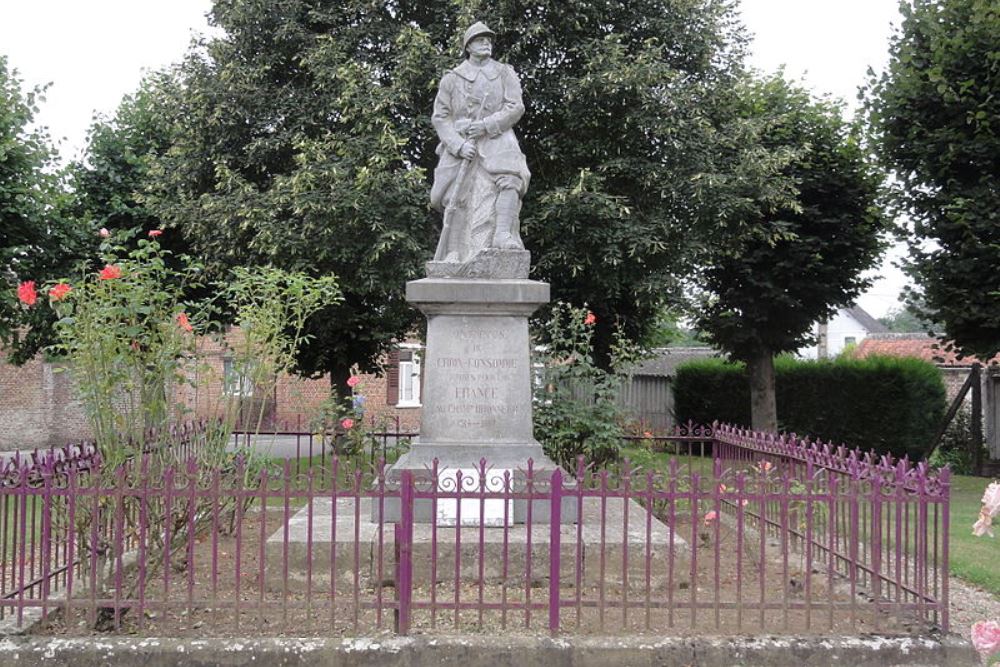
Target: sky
column 93, row 52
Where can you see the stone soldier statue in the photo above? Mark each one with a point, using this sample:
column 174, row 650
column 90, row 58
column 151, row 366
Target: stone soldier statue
column 481, row 174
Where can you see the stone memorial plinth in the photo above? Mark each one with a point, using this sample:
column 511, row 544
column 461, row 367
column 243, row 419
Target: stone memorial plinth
column 477, row 381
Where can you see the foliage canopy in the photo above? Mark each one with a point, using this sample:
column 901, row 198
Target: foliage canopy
column 37, row 240
column 301, row 137
column 935, row 114
column 762, row 295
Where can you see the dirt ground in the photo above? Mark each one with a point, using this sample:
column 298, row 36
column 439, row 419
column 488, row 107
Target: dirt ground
column 195, row 599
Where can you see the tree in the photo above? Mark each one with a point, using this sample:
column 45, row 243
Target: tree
column 109, row 182
column 907, row 319
column 762, row 295
column 935, row 114
column 301, row 137
column 37, row 240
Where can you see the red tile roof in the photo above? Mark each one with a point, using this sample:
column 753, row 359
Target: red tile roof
column 921, row 346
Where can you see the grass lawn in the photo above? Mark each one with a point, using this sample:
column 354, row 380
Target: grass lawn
column 974, row 559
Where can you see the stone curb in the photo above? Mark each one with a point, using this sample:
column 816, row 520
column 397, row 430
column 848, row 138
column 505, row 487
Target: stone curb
column 863, row 651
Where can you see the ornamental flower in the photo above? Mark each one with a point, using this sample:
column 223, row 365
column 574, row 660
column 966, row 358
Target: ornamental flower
column 765, row 466
column 990, row 508
column 110, row 272
column 991, row 499
column 986, row 637
column 722, row 488
column 710, row 517
column 590, row 318
column 153, row 233
column 26, row 293
column 347, row 423
column 104, row 233
column 983, row 525
column 184, row 323
column 59, row 291
column 353, row 381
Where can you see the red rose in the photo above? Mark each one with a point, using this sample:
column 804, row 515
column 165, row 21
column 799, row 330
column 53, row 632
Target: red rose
column 26, row 292
column 153, row 233
column 110, row 272
column 58, row 292
column 590, row 318
column 184, row 323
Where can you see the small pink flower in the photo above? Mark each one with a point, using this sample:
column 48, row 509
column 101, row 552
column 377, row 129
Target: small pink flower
column 722, row 488
column 110, row 272
column 986, row 637
column 347, row 423
column 104, row 233
column 353, row 381
column 590, row 318
column 710, row 517
column 59, row 291
column 765, row 466
column 26, row 293
column 153, row 233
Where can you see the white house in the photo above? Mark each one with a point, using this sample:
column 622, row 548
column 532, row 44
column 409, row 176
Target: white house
column 849, row 326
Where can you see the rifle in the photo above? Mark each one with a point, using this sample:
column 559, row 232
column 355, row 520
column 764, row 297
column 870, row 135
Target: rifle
column 453, row 195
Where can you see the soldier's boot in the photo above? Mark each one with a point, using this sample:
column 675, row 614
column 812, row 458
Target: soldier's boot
column 506, row 237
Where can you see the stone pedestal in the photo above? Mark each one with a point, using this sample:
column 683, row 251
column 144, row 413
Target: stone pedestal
column 477, row 381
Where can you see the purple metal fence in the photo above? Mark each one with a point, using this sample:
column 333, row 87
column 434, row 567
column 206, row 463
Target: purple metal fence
column 766, row 538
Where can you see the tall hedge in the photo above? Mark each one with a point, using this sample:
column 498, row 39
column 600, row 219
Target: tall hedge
column 890, row 404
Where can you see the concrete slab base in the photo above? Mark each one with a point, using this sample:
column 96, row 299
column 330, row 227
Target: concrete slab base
column 492, row 651
column 503, row 554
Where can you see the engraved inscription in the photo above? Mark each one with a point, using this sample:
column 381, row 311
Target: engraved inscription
column 476, row 363
column 478, row 395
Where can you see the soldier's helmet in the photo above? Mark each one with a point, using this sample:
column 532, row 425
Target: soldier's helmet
column 475, row 30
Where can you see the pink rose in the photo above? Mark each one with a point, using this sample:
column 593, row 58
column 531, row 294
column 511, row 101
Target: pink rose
column 986, row 637
column 153, row 233
column 104, row 233
column 353, row 381
column 991, row 498
column 984, row 525
column 347, row 423
column 710, row 517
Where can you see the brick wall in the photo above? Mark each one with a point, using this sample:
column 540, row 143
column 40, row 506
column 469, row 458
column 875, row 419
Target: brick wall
column 954, row 378
column 38, row 407
column 291, row 404
column 380, row 405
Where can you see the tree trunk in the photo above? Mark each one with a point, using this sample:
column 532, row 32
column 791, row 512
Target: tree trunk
column 763, row 409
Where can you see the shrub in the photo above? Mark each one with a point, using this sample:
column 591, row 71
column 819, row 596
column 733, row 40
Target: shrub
column 890, row 404
column 575, row 403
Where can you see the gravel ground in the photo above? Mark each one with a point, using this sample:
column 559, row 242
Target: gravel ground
column 970, row 604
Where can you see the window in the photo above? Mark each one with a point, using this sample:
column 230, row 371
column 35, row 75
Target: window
column 849, row 340
column 236, row 382
column 409, row 377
